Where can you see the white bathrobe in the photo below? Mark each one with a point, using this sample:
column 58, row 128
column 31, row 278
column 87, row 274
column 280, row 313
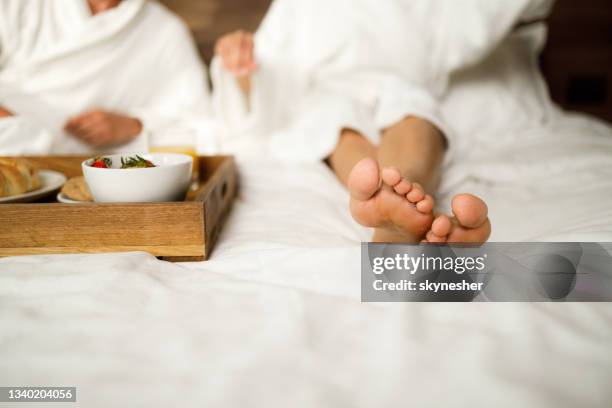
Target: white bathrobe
column 361, row 64
column 57, row 61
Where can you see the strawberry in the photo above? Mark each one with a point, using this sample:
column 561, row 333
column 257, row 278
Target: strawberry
column 101, row 162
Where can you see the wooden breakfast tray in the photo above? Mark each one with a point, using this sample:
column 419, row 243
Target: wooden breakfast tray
column 174, row 231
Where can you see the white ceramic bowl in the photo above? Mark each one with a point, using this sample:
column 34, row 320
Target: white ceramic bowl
column 168, row 181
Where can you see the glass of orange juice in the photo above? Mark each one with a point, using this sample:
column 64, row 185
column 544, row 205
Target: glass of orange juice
column 183, row 141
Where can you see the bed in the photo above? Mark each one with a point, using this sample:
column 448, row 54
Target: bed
column 275, row 318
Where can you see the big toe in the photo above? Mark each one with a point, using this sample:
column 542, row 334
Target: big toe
column 470, row 211
column 364, row 179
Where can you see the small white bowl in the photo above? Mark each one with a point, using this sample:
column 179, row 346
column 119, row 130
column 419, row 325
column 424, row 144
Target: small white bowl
column 168, row 181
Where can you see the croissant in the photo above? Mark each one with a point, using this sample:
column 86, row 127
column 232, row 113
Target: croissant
column 17, row 176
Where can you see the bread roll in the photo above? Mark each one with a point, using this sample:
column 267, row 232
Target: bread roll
column 3, row 186
column 76, row 189
column 18, row 176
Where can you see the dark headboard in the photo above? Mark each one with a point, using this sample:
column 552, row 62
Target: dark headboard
column 577, row 61
column 209, row 19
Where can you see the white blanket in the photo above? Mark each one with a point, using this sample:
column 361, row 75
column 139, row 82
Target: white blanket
column 144, row 333
column 275, row 319
column 57, row 61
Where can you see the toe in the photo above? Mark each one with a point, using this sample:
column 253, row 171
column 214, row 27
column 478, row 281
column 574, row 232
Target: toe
column 426, row 205
column 441, row 226
column 470, row 211
column 364, row 180
column 479, row 235
column 434, row 238
column 403, row 187
column 391, row 176
column 416, row 194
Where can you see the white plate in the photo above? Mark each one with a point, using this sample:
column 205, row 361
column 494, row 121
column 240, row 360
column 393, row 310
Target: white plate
column 63, row 198
column 50, row 182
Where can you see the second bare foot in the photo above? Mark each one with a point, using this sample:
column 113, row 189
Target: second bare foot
column 470, row 223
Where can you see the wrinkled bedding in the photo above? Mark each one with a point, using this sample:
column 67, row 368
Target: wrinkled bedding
column 275, row 316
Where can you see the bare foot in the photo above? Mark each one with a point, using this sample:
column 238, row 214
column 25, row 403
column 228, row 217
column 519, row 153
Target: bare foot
column 469, row 225
column 398, row 209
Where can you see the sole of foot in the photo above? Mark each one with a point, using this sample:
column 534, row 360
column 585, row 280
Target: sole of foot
column 397, row 208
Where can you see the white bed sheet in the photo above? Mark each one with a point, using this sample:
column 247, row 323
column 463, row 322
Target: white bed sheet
column 275, row 318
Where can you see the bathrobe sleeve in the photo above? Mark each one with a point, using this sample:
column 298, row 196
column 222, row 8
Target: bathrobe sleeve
column 260, row 111
column 358, row 81
column 182, row 93
column 453, row 34
column 13, row 128
column 3, row 37
column 2, row 40
column 313, row 134
column 319, row 75
column 13, row 142
column 387, row 66
column 3, row 32
column 294, row 106
column 297, row 127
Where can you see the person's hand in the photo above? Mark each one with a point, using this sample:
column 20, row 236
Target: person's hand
column 100, row 6
column 5, row 113
column 236, row 52
column 102, row 128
